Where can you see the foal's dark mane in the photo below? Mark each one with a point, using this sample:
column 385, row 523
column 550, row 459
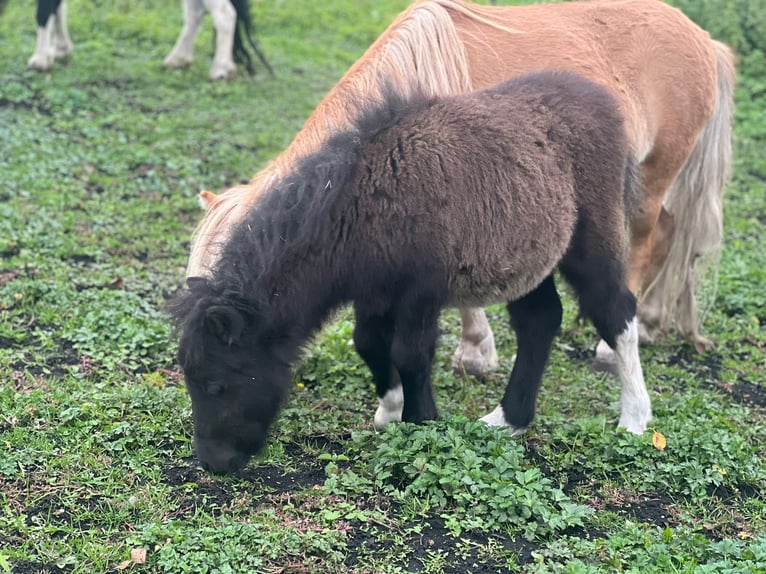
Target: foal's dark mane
column 295, row 214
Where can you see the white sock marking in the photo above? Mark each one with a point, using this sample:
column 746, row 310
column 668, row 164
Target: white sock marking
column 636, row 408
column 390, row 408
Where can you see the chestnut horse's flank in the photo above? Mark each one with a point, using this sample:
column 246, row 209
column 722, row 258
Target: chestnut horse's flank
column 424, row 203
column 674, row 86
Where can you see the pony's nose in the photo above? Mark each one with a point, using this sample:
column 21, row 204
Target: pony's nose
column 218, row 456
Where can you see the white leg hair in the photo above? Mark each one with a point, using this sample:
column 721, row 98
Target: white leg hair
column 635, row 405
column 497, row 419
column 475, row 354
column 389, row 408
column 225, row 22
column 44, row 54
column 64, row 44
column 182, row 53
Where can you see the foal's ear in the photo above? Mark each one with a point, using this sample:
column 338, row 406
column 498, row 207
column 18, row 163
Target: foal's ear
column 225, row 322
column 207, row 199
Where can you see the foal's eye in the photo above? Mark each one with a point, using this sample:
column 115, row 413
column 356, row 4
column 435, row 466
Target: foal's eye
column 214, row 388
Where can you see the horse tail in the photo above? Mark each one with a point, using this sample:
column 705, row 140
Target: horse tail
column 243, row 32
column 695, row 201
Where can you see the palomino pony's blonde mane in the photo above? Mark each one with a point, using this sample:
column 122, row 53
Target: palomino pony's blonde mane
column 420, row 52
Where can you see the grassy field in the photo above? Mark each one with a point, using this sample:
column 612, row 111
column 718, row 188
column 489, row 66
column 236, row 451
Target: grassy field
column 100, row 163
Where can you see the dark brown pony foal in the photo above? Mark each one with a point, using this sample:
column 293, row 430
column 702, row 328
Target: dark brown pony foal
column 426, row 203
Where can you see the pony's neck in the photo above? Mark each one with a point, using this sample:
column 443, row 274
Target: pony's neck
column 301, row 304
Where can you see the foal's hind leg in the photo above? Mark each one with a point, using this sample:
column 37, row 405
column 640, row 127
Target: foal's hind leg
column 475, row 354
column 535, row 318
column 372, row 339
column 605, row 298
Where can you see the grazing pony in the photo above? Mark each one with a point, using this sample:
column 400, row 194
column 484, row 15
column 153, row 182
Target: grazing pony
column 425, row 203
column 674, row 86
column 231, row 19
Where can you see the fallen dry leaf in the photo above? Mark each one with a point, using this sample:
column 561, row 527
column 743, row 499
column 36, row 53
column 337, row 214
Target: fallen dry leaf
column 658, row 440
column 138, row 555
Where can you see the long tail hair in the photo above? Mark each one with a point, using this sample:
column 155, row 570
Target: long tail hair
column 244, row 32
column 696, row 202
column 420, row 52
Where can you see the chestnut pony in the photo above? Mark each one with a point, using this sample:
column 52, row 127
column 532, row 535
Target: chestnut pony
column 674, row 85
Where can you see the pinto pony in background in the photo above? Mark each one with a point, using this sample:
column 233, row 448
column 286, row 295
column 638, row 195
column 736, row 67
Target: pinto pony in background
column 233, row 27
column 385, row 216
column 674, row 85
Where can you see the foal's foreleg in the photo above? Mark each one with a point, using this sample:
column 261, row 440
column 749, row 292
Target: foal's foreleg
column 372, row 339
column 182, row 53
column 412, row 352
column 475, row 354
column 535, row 318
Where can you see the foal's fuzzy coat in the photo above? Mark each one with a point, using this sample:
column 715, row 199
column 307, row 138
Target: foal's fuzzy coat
column 427, row 202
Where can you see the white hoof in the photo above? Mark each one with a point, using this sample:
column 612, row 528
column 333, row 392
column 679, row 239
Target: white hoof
column 476, row 360
column 222, row 70
column 175, row 60
column 63, row 50
column 497, row 419
column 606, row 358
column 389, row 408
column 40, row 62
column 644, row 335
column 637, row 423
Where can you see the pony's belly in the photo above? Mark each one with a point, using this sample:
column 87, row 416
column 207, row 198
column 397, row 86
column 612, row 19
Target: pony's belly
column 473, row 290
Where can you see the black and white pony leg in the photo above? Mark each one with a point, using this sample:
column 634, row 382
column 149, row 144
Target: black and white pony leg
column 182, row 53
column 475, row 354
column 599, row 281
column 53, row 39
column 535, row 318
column 635, row 405
column 372, row 339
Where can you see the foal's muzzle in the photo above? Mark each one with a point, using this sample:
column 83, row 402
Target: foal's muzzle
column 219, row 456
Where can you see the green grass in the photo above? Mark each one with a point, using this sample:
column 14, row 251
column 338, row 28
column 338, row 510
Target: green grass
column 100, row 163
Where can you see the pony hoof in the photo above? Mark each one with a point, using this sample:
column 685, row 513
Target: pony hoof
column 223, row 71
column 497, row 419
column 475, row 360
column 635, row 426
column 702, row 344
column 174, row 60
column 40, row 63
column 389, row 409
column 63, row 51
column 636, row 414
column 605, row 360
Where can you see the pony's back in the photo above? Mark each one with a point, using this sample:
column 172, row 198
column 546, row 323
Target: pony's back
column 490, row 185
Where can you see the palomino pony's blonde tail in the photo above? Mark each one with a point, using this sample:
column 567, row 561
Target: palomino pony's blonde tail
column 696, row 202
column 420, row 53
